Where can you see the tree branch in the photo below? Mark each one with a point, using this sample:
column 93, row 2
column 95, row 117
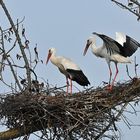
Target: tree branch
column 18, row 132
column 19, row 42
column 136, row 2
column 127, row 8
column 5, row 57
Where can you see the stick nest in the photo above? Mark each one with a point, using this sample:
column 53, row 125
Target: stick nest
column 86, row 115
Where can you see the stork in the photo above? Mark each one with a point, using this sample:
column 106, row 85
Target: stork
column 68, row 68
column 117, row 51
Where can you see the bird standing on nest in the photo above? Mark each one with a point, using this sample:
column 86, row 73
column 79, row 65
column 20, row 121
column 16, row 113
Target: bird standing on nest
column 117, row 51
column 68, row 68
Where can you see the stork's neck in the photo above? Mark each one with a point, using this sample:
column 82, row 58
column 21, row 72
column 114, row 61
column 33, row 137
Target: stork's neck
column 94, row 47
column 53, row 58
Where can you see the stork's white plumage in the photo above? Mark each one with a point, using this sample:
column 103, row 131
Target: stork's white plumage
column 117, row 51
column 71, row 70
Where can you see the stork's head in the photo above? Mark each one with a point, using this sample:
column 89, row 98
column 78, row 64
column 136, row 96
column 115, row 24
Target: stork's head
column 89, row 43
column 50, row 52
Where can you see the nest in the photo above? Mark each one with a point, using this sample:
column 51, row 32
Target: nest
column 88, row 114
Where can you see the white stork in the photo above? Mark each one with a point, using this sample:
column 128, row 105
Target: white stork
column 117, row 51
column 68, row 68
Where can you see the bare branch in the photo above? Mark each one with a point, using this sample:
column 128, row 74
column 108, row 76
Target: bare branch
column 18, row 132
column 19, row 42
column 11, row 67
column 136, row 65
column 136, row 2
column 123, row 6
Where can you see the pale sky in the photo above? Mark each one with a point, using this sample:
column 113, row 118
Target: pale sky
column 66, row 25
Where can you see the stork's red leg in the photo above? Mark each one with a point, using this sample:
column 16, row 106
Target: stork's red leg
column 115, row 74
column 70, row 86
column 110, row 74
column 67, row 82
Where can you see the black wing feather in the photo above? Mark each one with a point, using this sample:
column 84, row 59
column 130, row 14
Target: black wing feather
column 130, row 46
column 111, row 45
column 78, row 76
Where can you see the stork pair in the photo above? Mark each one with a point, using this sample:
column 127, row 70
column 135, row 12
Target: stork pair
column 117, row 51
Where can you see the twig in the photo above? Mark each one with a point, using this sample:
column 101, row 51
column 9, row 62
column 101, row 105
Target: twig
column 19, row 42
column 126, row 121
column 4, row 31
column 135, row 112
column 11, row 67
column 127, row 8
column 111, row 122
column 14, row 65
column 7, row 85
column 11, row 47
column 128, row 72
column 13, row 72
column 34, row 74
column 136, row 2
column 136, row 65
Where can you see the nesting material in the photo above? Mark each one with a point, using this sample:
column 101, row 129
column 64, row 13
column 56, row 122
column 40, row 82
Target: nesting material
column 87, row 114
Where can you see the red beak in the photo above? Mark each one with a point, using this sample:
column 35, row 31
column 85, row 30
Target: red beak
column 49, row 55
column 86, row 48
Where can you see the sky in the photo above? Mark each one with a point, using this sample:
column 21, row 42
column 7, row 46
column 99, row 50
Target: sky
column 66, row 25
